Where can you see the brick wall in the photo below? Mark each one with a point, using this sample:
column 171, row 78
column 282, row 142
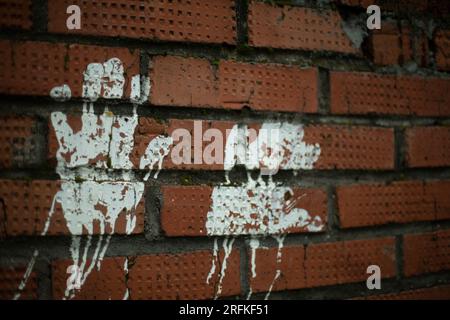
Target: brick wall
column 90, row 122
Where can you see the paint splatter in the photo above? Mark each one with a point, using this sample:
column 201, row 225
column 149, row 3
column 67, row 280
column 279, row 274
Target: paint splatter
column 257, row 208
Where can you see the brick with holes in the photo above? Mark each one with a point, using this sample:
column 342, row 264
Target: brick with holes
column 442, row 41
column 183, row 20
column 319, row 264
column 399, row 202
column 191, row 82
column 35, row 68
column 15, row 14
column 193, row 211
column 21, row 141
column 371, row 93
column 154, row 277
column 396, row 44
column 10, row 281
column 290, row 27
column 426, row 252
column 428, row 147
column 28, row 206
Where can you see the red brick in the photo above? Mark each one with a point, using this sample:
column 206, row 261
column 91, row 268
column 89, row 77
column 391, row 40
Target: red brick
column 322, row 264
column 191, row 82
column 442, row 42
column 268, row 87
column 27, row 206
column 400, row 202
column 185, row 208
column 18, row 142
column 392, row 45
column 342, row 147
column 352, row 147
column 15, row 14
column 10, row 280
column 187, row 82
column 34, row 68
column 428, row 147
column 182, row 20
column 434, row 293
column 426, row 253
column 297, row 28
column 153, row 277
column 370, row 93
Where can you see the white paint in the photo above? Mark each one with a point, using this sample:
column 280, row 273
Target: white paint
column 61, row 93
column 280, row 240
column 140, row 89
column 155, row 153
column 27, row 274
column 100, row 138
column 276, row 146
column 254, row 245
column 90, row 202
column 103, row 80
column 213, row 263
column 227, row 248
column 125, row 270
column 257, row 208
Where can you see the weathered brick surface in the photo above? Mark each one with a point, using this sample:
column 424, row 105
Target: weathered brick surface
column 27, row 205
column 194, row 21
column 154, row 277
column 268, row 87
column 428, row 147
column 191, row 82
column 21, row 142
column 322, row 264
column 370, row 93
column 426, row 253
column 399, row 202
column 434, row 293
column 15, row 14
column 342, row 147
column 181, row 81
column 354, row 147
column 442, row 41
column 185, row 208
column 297, row 28
column 394, row 44
column 10, row 280
column 34, row 68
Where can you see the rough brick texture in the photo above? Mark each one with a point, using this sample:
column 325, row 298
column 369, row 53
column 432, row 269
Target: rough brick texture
column 342, row 147
column 442, row 41
column 155, row 277
column 428, row 147
column 20, row 142
column 297, row 28
column 15, row 14
column 397, row 45
column 322, row 264
column 193, row 149
column 426, row 253
column 10, row 280
column 190, row 82
column 370, row 93
column 27, row 205
column 34, row 68
column 193, row 21
column 400, row 202
column 189, row 206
